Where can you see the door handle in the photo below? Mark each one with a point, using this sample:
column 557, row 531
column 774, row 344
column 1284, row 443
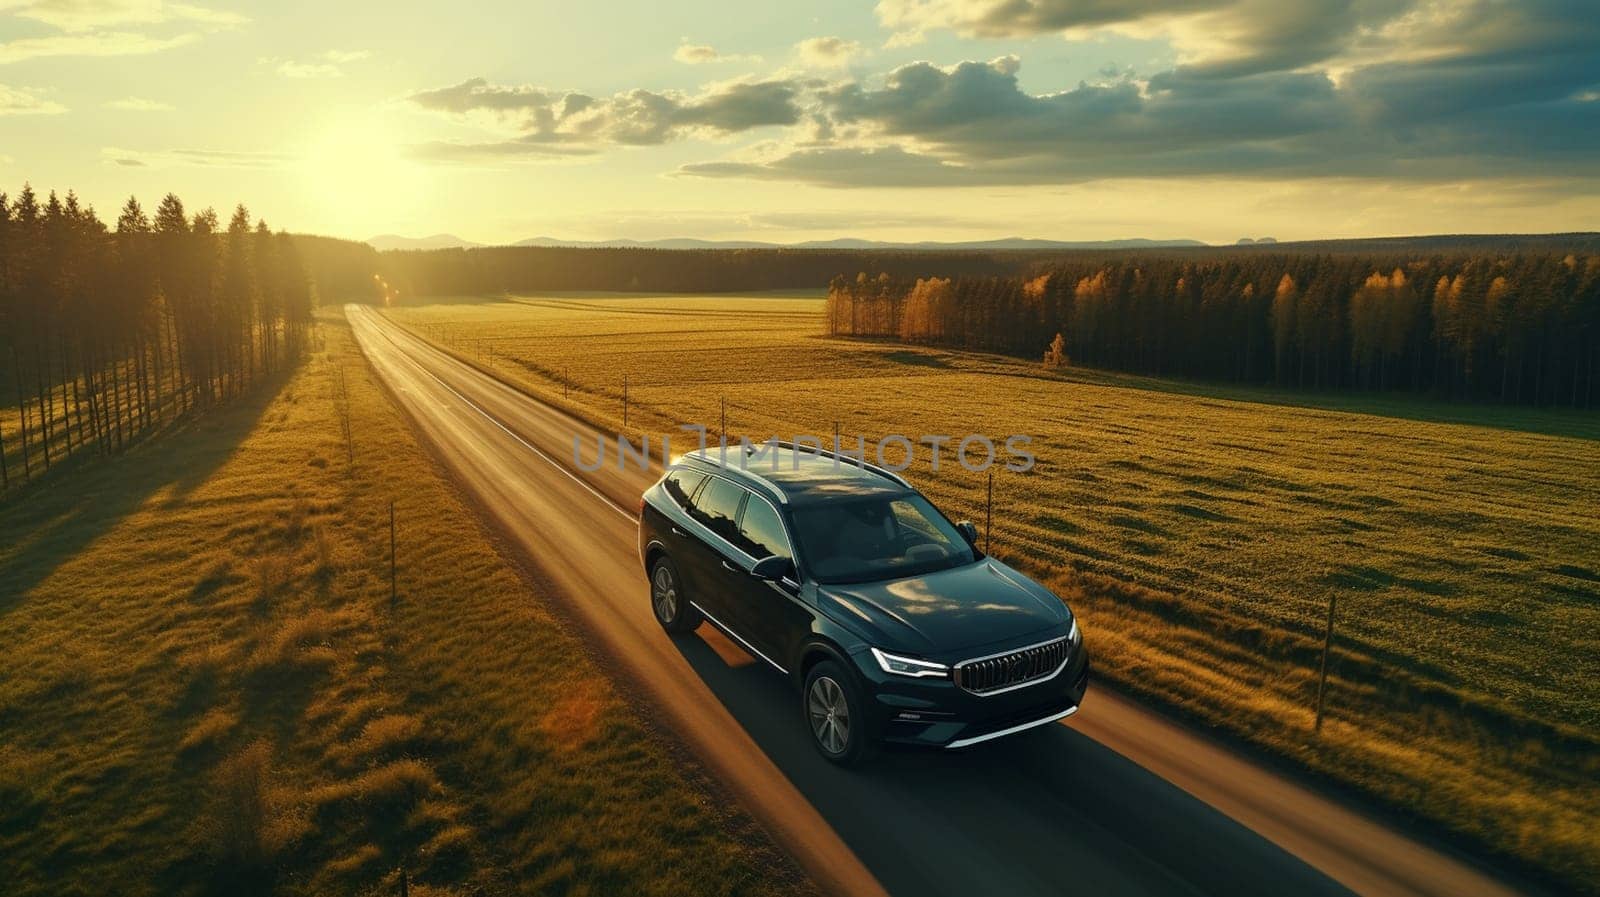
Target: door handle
column 731, row 568
column 678, row 532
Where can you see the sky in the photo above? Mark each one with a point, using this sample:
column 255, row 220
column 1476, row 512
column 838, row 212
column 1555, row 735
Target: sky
column 896, row 120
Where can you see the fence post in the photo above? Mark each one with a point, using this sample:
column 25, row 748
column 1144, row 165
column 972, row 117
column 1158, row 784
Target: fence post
column 1322, row 678
column 344, row 414
column 394, row 592
column 988, row 513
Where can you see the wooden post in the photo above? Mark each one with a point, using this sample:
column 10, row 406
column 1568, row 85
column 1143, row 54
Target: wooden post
column 1322, row 678
column 394, row 592
column 988, row 513
column 344, row 414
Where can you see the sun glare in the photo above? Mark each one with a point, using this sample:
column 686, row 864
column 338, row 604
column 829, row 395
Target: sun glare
column 357, row 173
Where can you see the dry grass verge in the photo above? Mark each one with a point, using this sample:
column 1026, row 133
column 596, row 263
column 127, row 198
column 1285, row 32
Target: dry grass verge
column 206, row 690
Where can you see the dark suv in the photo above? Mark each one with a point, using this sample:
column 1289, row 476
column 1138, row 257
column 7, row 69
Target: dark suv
column 843, row 577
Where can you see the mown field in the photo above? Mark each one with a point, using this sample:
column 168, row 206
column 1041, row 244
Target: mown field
column 1202, row 531
column 205, row 688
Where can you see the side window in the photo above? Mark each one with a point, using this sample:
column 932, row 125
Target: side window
column 761, row 532
column 680, row 485
column 718, row 507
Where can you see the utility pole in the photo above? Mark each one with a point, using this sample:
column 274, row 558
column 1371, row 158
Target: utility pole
column 1322, row 678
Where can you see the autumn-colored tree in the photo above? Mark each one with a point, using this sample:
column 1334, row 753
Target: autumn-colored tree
column 1056, row 355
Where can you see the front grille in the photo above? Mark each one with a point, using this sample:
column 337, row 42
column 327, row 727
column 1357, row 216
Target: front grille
column 992, row 674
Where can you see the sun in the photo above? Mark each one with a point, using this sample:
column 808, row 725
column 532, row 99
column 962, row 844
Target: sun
column 356, row 172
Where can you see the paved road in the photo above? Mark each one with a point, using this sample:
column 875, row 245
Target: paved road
column 1117, row 801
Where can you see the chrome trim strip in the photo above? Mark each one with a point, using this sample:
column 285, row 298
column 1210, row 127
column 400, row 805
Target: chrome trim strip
column 722, row 462
column 1059, row 638
column 736, row 637
column 1066, row 658
column 978, row 739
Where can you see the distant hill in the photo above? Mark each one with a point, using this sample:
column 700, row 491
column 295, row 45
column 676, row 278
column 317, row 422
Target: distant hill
column 1020, row 243
column 1263, row 241
column 384, row 242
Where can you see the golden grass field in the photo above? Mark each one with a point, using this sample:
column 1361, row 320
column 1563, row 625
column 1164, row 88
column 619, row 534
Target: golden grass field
column 1201, row 531
column 207, row 691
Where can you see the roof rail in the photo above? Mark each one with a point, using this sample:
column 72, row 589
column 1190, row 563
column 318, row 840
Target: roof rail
column 718, row 459
column 842, row 456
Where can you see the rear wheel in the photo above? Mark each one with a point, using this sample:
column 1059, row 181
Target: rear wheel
column 835, row 714
column 667, row 599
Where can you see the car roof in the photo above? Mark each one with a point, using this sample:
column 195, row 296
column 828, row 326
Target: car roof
column 799, row 475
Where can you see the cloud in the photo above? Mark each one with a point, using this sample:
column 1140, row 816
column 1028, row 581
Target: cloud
column 827, row 52
column 325, row 65
column 26, row 101
column 887, row 166
column 1417, row 91
column 544, row 122
column 1224, row 37
column 205, row 158
column 1024, row 18
column 138, row 104
column 97, row 43
column 90, row 15
column 1464, row 90
column 703, row 54
column 494, row 151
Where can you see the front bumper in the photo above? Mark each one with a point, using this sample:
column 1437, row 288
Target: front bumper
column 938, row 713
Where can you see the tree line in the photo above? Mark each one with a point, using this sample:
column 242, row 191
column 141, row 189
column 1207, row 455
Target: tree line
column 444, row 272
column 1520, row 326
column 109, row 333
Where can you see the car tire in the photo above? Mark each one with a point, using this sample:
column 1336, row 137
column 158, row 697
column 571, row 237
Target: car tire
column 668, row 601
column 835, row 715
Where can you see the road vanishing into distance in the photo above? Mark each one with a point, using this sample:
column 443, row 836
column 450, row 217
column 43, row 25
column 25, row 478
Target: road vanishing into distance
column 1117, row 800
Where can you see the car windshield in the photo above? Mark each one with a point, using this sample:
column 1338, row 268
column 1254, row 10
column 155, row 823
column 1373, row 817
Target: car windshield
column 885, row 537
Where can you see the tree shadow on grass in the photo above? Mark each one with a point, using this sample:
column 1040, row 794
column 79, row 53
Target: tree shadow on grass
column 52, row 519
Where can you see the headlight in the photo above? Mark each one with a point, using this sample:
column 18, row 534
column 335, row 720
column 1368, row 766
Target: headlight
column 909, row 666
column 1074, row 636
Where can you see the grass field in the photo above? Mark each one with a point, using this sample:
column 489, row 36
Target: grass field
column 206, row 690
column 1202, row 531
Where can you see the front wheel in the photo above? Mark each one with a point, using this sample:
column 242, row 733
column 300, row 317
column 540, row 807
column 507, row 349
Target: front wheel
column 835, row 714
column 667, row 599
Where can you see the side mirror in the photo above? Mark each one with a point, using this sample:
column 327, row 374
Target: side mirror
column 772, row 568
column 968, row 532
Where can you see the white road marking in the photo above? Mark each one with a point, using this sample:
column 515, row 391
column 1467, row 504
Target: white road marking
column 491, row 419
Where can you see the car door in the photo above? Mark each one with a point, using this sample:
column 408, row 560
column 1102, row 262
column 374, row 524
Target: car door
column 710, row 561
column 769, row 614
column 676, row 530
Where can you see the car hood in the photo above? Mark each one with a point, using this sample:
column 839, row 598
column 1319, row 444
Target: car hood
column 948, row 611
